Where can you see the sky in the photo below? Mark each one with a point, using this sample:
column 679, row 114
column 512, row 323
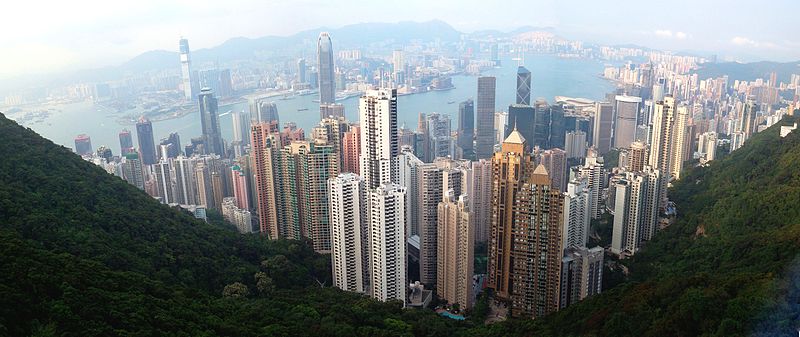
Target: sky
column 42, row 36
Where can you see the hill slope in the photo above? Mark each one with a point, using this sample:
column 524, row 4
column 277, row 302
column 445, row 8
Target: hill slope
column 83, row 253
column 727, row 267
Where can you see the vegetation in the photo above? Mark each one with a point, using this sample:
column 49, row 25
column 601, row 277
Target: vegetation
column 83, row 253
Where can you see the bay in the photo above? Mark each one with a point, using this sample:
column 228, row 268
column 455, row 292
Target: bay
column 552, row 76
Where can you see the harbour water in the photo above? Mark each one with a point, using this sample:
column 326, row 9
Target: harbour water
column 552, row 76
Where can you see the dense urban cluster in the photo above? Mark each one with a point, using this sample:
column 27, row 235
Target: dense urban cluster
column 404, row 214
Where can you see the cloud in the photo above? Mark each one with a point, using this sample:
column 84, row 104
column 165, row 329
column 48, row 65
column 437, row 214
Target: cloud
column 743, row 41
column 668, row 34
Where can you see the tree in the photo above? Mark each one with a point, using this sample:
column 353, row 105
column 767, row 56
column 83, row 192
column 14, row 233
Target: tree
column 235, row 290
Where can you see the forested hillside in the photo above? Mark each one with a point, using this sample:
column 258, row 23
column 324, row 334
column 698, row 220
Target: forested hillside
column 82, row 253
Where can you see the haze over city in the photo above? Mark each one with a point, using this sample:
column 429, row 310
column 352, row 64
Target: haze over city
column 373, row 168
column 41, row 39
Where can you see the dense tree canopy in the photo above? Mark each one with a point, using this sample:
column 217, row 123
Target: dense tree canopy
column 82, row 253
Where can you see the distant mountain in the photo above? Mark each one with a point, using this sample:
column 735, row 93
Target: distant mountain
column 350, row 36
column 749, row 71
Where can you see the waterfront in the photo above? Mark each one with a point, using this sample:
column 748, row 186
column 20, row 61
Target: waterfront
column 552, row 76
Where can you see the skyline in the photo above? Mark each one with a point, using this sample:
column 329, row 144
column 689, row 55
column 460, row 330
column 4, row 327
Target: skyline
column 110, row 33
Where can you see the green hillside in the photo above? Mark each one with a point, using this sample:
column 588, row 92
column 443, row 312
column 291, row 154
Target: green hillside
column 82, row 253
column 728, row 266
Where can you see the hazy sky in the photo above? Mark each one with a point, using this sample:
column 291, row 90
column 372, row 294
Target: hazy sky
column 53, row 35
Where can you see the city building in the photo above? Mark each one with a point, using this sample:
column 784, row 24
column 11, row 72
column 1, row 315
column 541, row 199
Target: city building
column 239, row 217
column 187, row 76
column 592, row 170
column 521, row 117
column 83, row 145
column 351, row 149
column 523, row 86
column 162, row 171
column 429, row 191
column 327, row 88
column 132, row 170
column 581, row 274
column 265, row 147
column 480, row 198
column 240, row 186
column 627, row 112
column 637, row 157
column 603, row 130
column 455, row 252
column 535, row 247
column 575, row 144
column 241, row 127
column 125, row 142
column 484, row 117
column 379, row 143
column 682, row 144
column 349, row 233
column 555, row 161
column 661, row 151
column 147, row 144
column 387, row 242
column 185, row 185
column 511, row 167
column 466, row 129
column 577, row 217
column 209, row 122
column 327, row 110
column 263, row 111
column 170, row 147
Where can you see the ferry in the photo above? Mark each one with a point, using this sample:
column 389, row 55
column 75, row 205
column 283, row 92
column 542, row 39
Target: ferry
column 302, row 109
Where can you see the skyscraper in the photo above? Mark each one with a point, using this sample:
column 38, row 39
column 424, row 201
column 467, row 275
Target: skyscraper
column 581, row 274
column 240, row 187
column 484, row 119
column 263, row 111
column 637, row 157
column 466, row 129
column 627, row 111
column 189, row 90
column 265, row 145
column 577, row 217
column 541, row 124
column 327, row 89
column 521, row 117
column 314, row 164
column 83, row 145
column 379, row 144
column 334, row 110
column 388, row 242
column 555, row 161
column 170, row 147
column 429, row 194
column 132, row 170
column 147, row 145
column 535, row 248
column 351, row 149
column 661, row 148
column 185, row 186
column 480, row 197
column 301, row 70
column 636, row 207
column 603, row 127
column 510, row 169
column 164, row 181
column 593, row 171
column 455, row 253
column 681, row 141
column 349, row 233
column 523, row 86
column 209, row 121
column 241, row 127
column 125, row 142
column 440, row 141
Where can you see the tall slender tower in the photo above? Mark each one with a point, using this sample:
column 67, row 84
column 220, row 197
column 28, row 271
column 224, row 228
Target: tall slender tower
column 125, row 142
column 510, row 169
column 147, row 145
column 627, row 112
column 265, row 146
column 209, row 121
column 351, row 149
column 523, row 86
column 189, row 90
column 349, row 232
column 164, row 181
column 429, row 194
column 536, row 249
column 466, row 129
column 679, row 141
column 484, row 119
column 603, row 127
column 379, row 145
column 327, row 86
column 455, row 257
column 661, row 147
column 387, row 231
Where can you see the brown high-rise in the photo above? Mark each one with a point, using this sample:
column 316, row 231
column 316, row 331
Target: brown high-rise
column 351, row 149
column 525, row 243
column 510, row 169
column 265, row 144
column 536, row 247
